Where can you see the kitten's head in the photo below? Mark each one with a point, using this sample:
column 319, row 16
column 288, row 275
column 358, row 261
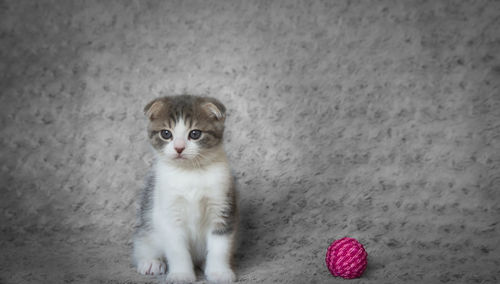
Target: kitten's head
column 185, row 130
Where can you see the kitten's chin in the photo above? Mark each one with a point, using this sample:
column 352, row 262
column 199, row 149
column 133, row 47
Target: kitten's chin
column 188, row 162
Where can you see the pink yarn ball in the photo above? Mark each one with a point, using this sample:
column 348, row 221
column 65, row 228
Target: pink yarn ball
column 346, row 258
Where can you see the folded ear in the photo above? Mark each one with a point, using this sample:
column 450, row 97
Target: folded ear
column 214, row 109
column 152, row 109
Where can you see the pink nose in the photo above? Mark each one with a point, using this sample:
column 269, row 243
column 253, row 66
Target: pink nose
column 179, row 150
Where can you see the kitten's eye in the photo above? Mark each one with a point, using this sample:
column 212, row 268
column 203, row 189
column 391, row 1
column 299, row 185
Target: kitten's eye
column 165, row 134
column 195, row 134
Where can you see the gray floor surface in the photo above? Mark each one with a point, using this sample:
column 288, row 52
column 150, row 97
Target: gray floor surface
column 378, row 120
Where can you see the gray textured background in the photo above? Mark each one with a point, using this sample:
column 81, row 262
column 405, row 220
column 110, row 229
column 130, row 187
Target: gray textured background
column 378, row 120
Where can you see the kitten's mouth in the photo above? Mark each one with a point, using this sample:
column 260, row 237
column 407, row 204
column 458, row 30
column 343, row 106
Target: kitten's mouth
column 180, row 157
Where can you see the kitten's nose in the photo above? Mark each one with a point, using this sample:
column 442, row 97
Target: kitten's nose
column 179, row 150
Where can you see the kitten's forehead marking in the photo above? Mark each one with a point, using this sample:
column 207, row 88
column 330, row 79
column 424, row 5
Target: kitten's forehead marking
column 182, row 116
column 189, row 120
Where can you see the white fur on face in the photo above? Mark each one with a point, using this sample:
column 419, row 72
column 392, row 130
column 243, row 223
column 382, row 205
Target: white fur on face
column 180, row 139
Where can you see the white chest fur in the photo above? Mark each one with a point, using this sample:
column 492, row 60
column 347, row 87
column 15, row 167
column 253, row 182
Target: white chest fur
column 189, row 199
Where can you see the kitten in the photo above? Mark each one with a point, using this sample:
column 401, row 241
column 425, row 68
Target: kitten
column 188, row 213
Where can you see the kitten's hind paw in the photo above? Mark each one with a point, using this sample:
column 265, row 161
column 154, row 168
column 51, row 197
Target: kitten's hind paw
column 180, row 277
column 151, row 267
column 222, row 276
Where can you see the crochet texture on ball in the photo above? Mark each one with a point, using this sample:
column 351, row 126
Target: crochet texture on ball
column 346, row 258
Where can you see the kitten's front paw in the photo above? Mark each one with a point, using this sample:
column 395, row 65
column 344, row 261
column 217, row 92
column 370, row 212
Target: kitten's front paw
column 220, row 276
column 181, row 277
column 152, row 267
